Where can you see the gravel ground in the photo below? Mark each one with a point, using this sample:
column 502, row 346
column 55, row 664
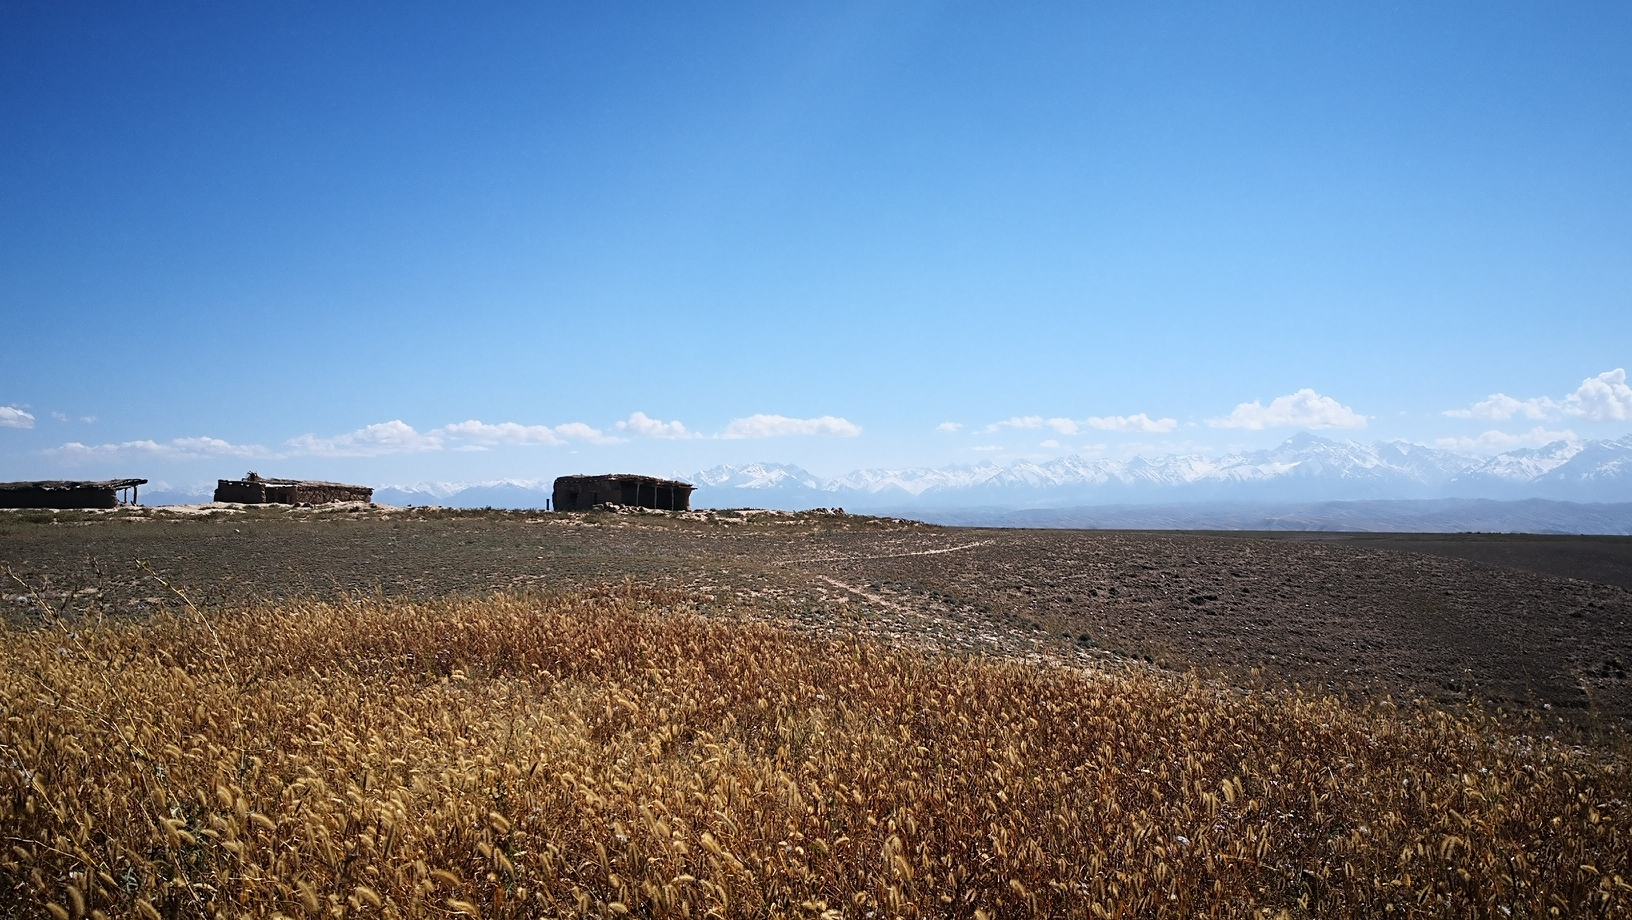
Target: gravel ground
column 1364, row 617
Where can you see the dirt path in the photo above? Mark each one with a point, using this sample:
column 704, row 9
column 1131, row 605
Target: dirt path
column 1348, row 617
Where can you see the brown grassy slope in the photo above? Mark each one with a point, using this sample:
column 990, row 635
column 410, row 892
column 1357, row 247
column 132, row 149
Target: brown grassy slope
column 609, row 752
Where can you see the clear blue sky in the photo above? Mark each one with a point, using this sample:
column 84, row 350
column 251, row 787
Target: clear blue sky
column 253, row 223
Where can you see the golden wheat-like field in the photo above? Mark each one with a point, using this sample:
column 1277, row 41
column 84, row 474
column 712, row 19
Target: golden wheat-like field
column 609, row 753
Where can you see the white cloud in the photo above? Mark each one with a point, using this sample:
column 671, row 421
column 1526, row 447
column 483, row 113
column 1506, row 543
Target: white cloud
column 398, row 437
column 63, row 417
column 639, row 424
column 1500, row 441
column 1303, row 409
column 1140, row 422
column 1066, row 426
column 13, row 417
column 1019, row 421
column 1603, row 398
column 215, row 447
column 393, row 437
column 949, row 426
column 1050, row 443
column 1499, row 406
column 578, row 431
column 175, row 449
column 987, row 447
column 770, row 426
column 481, row 433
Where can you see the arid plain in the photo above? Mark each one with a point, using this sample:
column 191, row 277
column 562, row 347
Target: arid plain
column 359, row 712
column 1534, row 625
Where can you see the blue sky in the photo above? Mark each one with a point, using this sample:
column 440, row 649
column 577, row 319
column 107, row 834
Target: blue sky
column 401, row 242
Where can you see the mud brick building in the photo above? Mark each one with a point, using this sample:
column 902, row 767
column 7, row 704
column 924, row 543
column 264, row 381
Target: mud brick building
column 59, row 493
column 576, row 493
column 255, row 490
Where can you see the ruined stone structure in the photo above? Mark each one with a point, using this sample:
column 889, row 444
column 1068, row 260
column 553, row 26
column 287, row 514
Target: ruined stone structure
column 58, row 493
column 255, row 490
column 576, row 493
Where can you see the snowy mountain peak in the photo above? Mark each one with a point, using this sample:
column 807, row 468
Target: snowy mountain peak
column 1304, row 467
column 446, row 489
column 754, row 476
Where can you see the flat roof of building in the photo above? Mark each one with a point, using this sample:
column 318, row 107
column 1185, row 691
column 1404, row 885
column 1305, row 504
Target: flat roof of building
column 636, row 476
column 294, row 482
column 63, row 485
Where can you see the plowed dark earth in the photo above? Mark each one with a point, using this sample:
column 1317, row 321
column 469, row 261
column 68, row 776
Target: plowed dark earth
column 1366, row 616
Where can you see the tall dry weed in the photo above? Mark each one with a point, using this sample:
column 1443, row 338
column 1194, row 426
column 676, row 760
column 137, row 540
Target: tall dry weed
column 607, row 754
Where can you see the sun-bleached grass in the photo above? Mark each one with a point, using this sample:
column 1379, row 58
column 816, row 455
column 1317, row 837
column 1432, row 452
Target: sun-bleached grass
column 608, row 753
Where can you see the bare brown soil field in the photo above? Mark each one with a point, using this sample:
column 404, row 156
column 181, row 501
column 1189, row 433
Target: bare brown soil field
column 1362, row 616
column 359, row 712
column 1603, row 559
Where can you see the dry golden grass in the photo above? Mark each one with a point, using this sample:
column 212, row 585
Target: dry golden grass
column 609, row 753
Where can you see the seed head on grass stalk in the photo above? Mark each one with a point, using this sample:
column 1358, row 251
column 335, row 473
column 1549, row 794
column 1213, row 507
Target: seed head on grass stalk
column 520, row 756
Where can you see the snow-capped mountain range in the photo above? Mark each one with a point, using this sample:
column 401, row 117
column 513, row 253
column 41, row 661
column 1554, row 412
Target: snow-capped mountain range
column 1302, row 469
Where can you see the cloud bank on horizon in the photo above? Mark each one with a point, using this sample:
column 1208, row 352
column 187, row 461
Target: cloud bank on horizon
column 1494, row 441
column 201, row 448
column 398, row 437
column 1604, row 399
column 772, row 426
column 1303, row 409
column 1140, row 423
